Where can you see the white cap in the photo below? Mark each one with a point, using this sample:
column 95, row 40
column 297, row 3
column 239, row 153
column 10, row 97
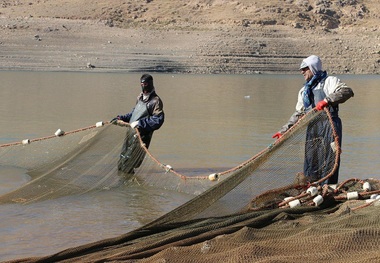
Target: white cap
column 303, row 64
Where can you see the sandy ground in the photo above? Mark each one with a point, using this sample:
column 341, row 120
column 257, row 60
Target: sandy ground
column 44, row 36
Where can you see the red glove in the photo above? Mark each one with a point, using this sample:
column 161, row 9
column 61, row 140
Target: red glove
column 277, row 136
column 320, row 105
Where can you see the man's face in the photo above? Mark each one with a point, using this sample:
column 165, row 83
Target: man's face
column 307, row 74
column 144, row 87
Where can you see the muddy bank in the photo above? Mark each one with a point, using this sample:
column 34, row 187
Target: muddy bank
column 53, row 44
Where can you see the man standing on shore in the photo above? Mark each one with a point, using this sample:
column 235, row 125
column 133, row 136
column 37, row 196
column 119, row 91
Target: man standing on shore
column 319, row 91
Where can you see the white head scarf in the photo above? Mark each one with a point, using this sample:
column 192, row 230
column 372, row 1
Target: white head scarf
column 313, row 62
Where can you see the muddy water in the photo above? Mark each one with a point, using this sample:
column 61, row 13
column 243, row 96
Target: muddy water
column 211, row 121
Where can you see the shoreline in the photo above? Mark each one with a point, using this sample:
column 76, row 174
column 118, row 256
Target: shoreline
column 47, row 44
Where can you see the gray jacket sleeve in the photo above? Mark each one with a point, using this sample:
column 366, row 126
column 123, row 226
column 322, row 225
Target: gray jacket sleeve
column 338, row 92
column 293, row 119
column 300, row 110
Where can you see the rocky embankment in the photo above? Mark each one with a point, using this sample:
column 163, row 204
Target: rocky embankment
column 215, row 37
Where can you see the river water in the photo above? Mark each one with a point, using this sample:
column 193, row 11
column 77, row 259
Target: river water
column 212, row 121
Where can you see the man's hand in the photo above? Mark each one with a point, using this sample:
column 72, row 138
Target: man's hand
column 277, row 135
column 121, row 123
column 114, row 120
column 322, row 104
column 134, row 124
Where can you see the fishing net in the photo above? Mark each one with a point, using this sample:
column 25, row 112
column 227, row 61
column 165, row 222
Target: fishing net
column 72, row 163
column 89, row 159
column 103, row 156
column 267, row 209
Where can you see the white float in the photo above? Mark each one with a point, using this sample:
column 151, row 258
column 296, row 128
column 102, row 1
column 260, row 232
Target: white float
column 59, row 132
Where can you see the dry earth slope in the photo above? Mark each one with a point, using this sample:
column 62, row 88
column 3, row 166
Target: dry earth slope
column 206, row 36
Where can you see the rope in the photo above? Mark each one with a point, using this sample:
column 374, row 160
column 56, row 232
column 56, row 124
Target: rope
column 338, row 148
column 52, row 136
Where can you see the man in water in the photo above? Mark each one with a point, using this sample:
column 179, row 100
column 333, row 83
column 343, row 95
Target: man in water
column 147, row 116
column 319, row 91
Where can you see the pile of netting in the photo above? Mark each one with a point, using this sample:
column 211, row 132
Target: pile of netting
column 263, row 210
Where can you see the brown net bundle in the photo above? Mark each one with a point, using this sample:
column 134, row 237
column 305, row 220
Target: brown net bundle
column 335, row 231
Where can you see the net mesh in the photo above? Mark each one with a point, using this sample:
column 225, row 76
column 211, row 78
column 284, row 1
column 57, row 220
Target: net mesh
column 75, row 163
column 257, row 211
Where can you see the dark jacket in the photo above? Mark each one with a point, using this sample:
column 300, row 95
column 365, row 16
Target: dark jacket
column 153, row 117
